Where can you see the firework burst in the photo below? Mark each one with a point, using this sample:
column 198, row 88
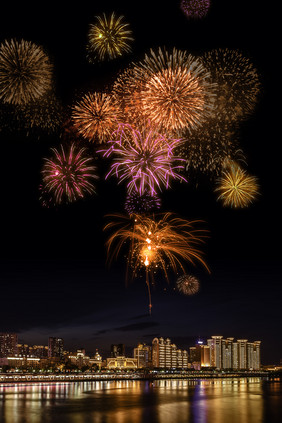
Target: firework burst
column 137, row 203
column 96, row 116
column 160, row 242
column 68, row 176
column 25, row 72
column 236, row 188
column 174, row 89
column 187, row 285
column 144, row 158
column 108, row 38
column 237, row 83
column 195, row 8
column 207, row 149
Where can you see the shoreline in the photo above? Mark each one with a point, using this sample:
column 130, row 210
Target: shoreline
column 8, row 379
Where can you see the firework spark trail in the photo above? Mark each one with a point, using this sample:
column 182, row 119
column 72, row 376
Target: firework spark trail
column 108, row 38
column 144, row 157
column 155, row 243
column 68, row 176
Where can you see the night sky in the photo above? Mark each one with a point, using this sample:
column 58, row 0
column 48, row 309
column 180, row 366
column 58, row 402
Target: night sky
column 54, row 280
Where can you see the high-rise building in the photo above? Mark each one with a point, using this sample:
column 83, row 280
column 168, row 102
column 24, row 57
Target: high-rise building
column 215, row 351
column 8, row 344
column 55, row 347
column 143, row 354
column 242, row 353
column 117, row 350
column 167, row 355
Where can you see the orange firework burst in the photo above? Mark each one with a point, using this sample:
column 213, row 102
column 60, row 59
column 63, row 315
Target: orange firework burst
column 161, row 242
column 174, row 89
column 236, row 188
column 25, row 72
column 96, row 116
column 108, row 38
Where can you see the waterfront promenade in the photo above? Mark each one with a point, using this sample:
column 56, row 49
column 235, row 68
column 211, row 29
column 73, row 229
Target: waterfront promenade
column 11, row 378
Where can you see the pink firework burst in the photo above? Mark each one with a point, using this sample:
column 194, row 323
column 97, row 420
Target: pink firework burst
column 143, row 157
column 195, row 8
column 68, row 175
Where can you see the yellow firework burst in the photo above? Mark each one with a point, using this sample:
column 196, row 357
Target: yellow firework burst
column 236, row 188
column 108, row 38
column 96, row 116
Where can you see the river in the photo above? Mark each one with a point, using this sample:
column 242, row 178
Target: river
column 238, row 400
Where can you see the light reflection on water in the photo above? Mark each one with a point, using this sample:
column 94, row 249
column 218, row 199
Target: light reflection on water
column 246, row 400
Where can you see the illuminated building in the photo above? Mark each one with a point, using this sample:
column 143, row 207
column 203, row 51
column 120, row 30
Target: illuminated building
column 121, row 363
column 205, row 356
column 215, row 351
column 143, row 354
column 23, row 350
column 117, row 350
column 166, row 355
column 237, row 355
column 55, row 347
column 79, row 359
column 8, row 344
column 40, row 351
column 227, row 348
column 96, row 360
column 242, row 349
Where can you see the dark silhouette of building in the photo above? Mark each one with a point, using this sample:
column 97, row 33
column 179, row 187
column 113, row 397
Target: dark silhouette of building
column 117, row 350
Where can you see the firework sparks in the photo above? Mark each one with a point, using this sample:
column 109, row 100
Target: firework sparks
column 137, row 203
column 195, row 8
column 155, row 243
column 108, row 38
column 207, row 149
column 68, row 176
column 25, row 72
column 238, row 84
column 174, row 89
column 187, row 285
column 144, row 157
column 96, row 116
column 236, row 188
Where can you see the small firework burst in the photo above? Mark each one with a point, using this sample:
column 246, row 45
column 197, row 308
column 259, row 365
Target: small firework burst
column 173, row 89
column 95, row 116
column 108, row 38
column 143, row 157
column 68, row 176
column 237, row 83
column 137, row 203
column 195, row 8
column 205, row 150
column 236, row 188
column 25, row 72
column 187, row 285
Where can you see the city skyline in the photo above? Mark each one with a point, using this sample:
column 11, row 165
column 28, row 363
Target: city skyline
column 54, row 276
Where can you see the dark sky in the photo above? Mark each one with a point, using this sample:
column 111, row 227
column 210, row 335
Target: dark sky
column 53, row 273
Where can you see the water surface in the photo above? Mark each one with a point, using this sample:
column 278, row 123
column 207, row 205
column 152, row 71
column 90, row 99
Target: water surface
column 244, row 400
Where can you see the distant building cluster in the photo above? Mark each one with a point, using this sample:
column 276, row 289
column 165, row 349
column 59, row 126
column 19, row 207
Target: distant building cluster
column 217, row 353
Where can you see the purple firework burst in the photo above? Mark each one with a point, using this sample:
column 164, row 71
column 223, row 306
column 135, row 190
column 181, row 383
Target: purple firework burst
column 143, row 157
column 195, row 8
column 141, row 203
